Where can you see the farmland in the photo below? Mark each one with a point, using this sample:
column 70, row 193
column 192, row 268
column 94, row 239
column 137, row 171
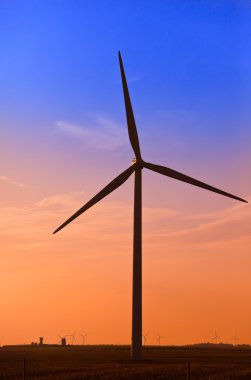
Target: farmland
column 113, row 362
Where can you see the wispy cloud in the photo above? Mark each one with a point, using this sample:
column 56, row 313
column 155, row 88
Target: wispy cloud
column 163, row 227
column 59, row 201
column 11, row 181
column 225, row 225
column 135, row 78
column 103, row 134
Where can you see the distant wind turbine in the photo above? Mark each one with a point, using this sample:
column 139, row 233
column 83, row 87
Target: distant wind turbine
column 137, row 165
column 159, row 338
column 144, row 338
column 73, row 337
column 62, row 339
column 216, row 337
column 235, row 338
column 84, row 338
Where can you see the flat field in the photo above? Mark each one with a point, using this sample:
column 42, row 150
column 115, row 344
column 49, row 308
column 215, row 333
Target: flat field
column 113, row 362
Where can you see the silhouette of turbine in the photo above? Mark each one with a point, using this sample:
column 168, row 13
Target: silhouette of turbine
column 137, row 165
column 73, row 337
column 159, row 338
column 235, row 338
column 144, row 338
column 62, row 339
column 216, row 337
column 83, row 338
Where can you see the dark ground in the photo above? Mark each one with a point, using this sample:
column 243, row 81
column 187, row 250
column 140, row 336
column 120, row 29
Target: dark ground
column 113, row 362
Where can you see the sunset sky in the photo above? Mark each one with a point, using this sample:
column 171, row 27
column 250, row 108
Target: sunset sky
column 64, row 137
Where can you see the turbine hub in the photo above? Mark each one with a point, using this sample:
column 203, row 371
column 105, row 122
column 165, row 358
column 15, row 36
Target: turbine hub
column 139, row 162
column 134, row 160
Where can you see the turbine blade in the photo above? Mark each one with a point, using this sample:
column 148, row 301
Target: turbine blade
column 132, row 130
column 184, row 178
column 113, row 185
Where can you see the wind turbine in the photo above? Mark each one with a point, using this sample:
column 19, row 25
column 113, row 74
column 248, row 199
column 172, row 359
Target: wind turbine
column 159, row 338
column 72, row 337
column 137, row 165
column 235, row 338
column 144, row 338
column 62, row 340
column 83, row 338
column 216, row 337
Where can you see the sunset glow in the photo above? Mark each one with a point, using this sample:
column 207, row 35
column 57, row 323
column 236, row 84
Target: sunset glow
column 64, row 137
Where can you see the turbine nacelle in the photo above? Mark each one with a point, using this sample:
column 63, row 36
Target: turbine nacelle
column 138, row 162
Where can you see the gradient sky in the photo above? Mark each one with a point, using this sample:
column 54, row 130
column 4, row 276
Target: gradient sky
column 63, row 137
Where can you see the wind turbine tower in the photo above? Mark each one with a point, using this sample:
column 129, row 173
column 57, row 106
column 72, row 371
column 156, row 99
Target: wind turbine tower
column 235, row 338
column 144, row 338
column 84, row 338
column 138, row 164
column 216, row 337
column 73, row 338
column 159, row 338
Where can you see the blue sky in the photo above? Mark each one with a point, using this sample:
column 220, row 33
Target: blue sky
column 188, row 68
column 63, row 137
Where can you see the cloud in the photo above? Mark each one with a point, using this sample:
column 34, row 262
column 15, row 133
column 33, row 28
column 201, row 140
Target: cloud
column 59, row 201
column 135, row 78
column 110, row 224
column 103, row 134
column 225, row 225
column 11, row 181
column 26, row 227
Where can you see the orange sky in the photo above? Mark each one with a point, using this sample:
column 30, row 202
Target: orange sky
column 195, row 270
column 64, row 137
